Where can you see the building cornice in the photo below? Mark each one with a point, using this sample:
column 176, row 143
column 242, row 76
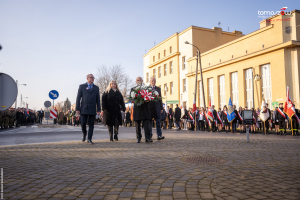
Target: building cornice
column 239, row 39
column 276, row 47
column 164, row 59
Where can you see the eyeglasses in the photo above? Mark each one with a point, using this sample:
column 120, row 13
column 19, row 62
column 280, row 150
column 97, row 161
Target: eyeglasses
column 91, row 77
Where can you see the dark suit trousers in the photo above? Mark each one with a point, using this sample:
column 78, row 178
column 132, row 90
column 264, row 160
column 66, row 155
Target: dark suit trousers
column 146, row 129
column 91, row 120
column 41, row 119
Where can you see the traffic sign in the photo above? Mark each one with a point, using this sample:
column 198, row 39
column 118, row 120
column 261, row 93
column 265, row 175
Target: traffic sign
column 47, row 104
column 8, row 91
column 53, row 94
column 53, row 114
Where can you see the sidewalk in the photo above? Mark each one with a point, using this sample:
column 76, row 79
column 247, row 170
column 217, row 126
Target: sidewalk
column 262, row 169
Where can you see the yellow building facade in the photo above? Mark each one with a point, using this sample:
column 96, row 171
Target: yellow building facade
column 167, row 61
column 246, row 68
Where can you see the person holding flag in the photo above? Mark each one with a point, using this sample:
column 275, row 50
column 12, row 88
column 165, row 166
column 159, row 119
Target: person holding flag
column 281, row 119
column 230, row 114
column 264, row 115
column 210, row 116
column 289, row 109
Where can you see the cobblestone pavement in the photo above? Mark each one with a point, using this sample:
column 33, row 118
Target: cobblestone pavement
column 262, row 169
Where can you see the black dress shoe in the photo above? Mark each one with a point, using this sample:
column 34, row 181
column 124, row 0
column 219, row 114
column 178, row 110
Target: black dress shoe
column 90, row 141
column 116, row 137
column 138, row 141
column 148, row 141
column 83, row 138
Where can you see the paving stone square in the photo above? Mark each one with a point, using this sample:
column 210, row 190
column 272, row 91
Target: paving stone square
column 262, row 169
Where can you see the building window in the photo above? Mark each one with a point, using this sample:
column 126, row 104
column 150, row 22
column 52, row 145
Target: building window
column 211, row 90
column 183, row 63
column 171, row 88
column 249, row 87
column 159, row 72
column 164, row 52
column 158, row 56
column 222, row 91
column 235, row 89
column 147, row 77
column 184, row 85
column 166, row 89
column 154, row 73
column 266, row 83
column 171, row 67
column 165, row 69
column 153, row 58
column 171, row 49
column 201, row 100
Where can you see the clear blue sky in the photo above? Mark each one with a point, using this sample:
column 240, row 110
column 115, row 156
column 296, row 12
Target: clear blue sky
column 54, row 44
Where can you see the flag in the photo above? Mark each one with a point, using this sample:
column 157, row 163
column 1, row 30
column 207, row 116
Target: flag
column 230, row 115
column 264, row 114
column 194, row 106
column 209, row 112
column 288, row 105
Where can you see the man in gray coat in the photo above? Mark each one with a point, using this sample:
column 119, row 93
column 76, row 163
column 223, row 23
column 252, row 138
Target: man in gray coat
column 87, row 103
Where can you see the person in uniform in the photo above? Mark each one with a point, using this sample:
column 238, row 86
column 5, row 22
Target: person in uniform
column 254, row 116
column 213, row 123
column 219, row 120
column 234, row 121
column 224, row 118
column 281, row 118
column 206, row 121
column 295, row 121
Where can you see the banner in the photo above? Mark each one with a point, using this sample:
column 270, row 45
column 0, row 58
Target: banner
column 231, row 115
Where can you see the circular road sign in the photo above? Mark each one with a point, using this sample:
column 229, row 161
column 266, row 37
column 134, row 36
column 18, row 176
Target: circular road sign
column 8, row 91
column 53, row 94
column 47, row 104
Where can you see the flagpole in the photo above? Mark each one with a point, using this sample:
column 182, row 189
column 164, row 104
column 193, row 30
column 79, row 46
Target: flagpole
column 292, row 127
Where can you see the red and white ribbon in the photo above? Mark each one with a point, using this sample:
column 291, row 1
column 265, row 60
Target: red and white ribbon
column 146, row 95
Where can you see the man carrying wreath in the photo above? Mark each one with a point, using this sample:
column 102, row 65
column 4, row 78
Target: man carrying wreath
column 141, row 113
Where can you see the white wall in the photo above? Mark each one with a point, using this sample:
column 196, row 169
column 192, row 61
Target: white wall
column 187, row 51
column 145, row 67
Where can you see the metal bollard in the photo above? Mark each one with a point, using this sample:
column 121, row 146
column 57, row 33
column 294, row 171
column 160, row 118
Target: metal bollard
column 247, row 134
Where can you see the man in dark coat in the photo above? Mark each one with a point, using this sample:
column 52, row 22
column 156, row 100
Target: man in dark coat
column 41, row 115
column 156, row 108
column 87, row 103
column 177, row 116
column 142, row 113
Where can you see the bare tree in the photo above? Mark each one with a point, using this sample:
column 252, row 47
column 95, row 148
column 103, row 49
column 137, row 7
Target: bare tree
column 59, row 106
column 117, row 73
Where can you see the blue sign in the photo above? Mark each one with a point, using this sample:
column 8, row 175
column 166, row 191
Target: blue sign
column 53, row 94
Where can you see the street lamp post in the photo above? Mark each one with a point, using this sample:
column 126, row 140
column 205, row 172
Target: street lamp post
column 196, row 74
